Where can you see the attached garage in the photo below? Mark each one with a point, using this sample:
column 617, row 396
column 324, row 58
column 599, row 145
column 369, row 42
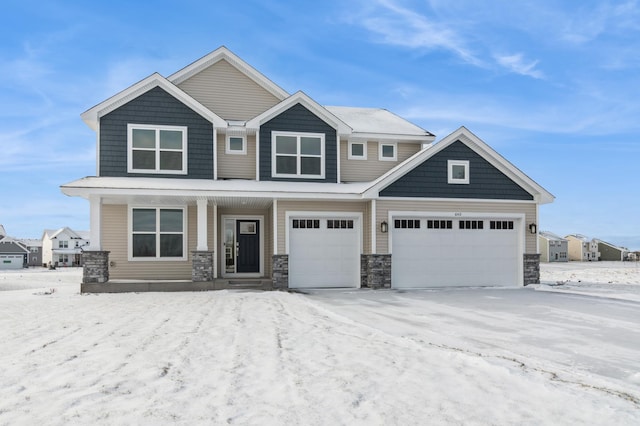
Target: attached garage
column 456, row 251
column 11, row 261
column 324, row 252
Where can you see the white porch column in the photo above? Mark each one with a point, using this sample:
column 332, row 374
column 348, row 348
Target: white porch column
column 95, row 212
column 216, row 243
column 202, row 226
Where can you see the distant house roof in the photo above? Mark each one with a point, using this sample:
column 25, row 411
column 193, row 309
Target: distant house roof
column 551, row 236
column 12, row 246
column 623, row 249
column 54, row 233
column 578, row 237
column 30, row 242
column 3, row 233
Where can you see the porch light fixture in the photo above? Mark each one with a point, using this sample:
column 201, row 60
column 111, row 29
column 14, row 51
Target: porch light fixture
column 384, row 227
column 533, row 228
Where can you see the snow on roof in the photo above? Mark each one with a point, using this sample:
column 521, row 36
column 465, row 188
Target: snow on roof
column 580, row 237
column 2, row 231
column 551, row 236
column 377, row 121
column 31, row 242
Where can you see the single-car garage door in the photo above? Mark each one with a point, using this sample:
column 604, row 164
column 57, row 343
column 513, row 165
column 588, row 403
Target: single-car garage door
column 443, row 252
column 324, row 252
column 10, row 261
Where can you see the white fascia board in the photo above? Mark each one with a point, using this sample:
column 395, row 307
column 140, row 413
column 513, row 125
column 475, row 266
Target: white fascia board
column 92, row 116
column 300, row 97
column 424, row 138
column 224, row 53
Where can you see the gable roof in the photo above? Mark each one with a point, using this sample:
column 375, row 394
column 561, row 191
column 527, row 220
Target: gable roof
column 464, row 135
column 613, row 246
column 54, row 233
column 551, row 236
column 304, row 100
column 378, row 123
column 222, row 53
column 92, row 116
column 11, row 245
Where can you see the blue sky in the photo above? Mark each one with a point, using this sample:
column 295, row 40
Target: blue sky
column 553, row 86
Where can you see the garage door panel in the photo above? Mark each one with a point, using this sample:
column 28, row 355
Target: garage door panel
column 325, row 257
column 470, row 254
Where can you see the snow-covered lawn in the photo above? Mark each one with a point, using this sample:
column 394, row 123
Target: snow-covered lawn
column 536, row 355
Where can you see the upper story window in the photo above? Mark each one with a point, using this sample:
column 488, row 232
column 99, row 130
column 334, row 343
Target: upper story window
column 387, row 151
column 63, row 244
column 157, row 233
column 157, row 149
column 458, row 171
column 357, row 150
column 299, row 155
column 236, row 145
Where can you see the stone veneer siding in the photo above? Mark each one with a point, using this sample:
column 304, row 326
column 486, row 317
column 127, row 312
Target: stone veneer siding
column 202, row 266
column 280, row 273
column 95, row 267
column 375, row 271
column 531, row 269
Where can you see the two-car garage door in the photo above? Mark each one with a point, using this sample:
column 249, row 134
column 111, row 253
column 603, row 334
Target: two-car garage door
column 324, row 252
column 442, row 252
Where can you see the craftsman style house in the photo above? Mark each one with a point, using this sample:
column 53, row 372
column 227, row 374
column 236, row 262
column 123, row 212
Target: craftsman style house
column 216, row 176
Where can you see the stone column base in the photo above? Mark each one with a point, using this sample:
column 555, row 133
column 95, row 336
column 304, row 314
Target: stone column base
column 95, row 267
column 202, row 266
column 375, row 271
column 280, row 272
column 531, row 269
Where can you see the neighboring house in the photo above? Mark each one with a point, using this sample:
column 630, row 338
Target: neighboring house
column 582, row 248
column 3, row 232
column 553, row 248
column 63, row 247
column 215, row 176
column 35, row 251
column 13, row 255
column 609, row 251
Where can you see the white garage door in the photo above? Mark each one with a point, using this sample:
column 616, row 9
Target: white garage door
column 324, row 252
column 443, row 252
column 11, row 261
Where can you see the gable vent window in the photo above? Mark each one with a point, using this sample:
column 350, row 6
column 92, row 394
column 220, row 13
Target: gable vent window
column 157, row 149
column 471, row 224
column 339, row 224
column 501, row 224
column 306, row 224
column 299, row 155
column 439, row 224
column 458, row 171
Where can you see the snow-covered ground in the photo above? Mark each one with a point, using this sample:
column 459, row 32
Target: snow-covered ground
column 543, row 354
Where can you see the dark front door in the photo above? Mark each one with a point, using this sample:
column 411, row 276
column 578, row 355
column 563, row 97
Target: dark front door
column 248, row 239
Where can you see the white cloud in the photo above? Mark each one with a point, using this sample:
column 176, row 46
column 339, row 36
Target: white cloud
column 516, row 63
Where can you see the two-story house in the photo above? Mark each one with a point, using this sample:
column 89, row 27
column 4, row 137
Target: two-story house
column 581, row 248
column 63, row 247
column 217, row 175
column 553, row 248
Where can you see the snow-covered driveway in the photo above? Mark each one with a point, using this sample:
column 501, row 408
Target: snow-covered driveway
column 332, row 357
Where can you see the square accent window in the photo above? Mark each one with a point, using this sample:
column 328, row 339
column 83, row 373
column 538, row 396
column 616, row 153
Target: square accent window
column 156, row 149
column 387, row 152
column 157, row 233
column 236, row 145
column 458, row 171
column 299, row 155
column 357, row 150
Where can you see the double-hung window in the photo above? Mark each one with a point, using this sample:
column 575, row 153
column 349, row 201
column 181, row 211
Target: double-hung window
column 157, row 233
column 157, row 149
column 299, row 155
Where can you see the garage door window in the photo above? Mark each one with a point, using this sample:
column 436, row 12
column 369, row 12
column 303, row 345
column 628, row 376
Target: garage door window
column 306, row 224
column 501, row 224
column 407, row 223
column 339, row 224
column 471, row 224
column 439, row 224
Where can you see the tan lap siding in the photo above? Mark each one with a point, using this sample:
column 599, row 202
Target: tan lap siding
column 115, row 239
column 371, row 168
column 383, row 207
column 323, row 206
column 236, row 166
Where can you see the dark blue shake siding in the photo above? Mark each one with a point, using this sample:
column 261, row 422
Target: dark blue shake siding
column 429, row 179
column 155, row 107
column 298, row 119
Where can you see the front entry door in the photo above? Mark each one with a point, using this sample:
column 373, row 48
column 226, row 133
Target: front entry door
column 248, row 242
column 242, row 246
